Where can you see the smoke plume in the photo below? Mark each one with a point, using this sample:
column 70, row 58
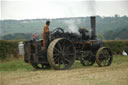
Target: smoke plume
column 92, row 7
column 72, row 26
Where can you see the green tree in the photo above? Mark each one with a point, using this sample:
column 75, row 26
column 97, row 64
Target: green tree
column 100, row 36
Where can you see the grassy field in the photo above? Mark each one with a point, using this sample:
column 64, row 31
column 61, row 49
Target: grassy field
column 19, row 73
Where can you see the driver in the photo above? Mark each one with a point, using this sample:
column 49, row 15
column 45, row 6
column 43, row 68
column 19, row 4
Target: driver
column 46, row 34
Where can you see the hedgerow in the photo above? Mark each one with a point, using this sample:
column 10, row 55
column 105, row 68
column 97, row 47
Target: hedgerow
column 9, row 48
column 117, row 46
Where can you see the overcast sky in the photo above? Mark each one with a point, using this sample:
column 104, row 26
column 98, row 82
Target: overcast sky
column 31, row 9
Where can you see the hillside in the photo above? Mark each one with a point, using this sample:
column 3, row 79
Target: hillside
column 118, row 26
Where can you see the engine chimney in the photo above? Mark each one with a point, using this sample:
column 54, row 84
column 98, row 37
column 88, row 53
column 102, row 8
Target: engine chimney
column 93, row 27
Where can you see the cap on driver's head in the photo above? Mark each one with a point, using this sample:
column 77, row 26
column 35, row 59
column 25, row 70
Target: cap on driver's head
column 47, row 22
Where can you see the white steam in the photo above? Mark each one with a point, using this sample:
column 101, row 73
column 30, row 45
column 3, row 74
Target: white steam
column 73, row 25
column 92, row 7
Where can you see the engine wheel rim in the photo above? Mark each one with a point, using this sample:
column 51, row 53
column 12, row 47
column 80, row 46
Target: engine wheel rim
column 61, row 54
column 104, row 57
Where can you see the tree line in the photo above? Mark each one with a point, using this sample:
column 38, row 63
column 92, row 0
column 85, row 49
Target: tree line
column 109, row 28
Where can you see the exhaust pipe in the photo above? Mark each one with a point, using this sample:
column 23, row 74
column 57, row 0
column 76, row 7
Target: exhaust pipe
column 93, row 27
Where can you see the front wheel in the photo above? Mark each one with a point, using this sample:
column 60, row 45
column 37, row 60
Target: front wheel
column 104, row 57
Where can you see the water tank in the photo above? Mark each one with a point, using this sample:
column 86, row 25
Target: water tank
column 21, row 48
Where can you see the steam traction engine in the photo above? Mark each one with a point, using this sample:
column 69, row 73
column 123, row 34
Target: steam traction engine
column 63, row 48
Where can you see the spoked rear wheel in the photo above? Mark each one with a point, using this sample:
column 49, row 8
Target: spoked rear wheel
column 104, row 57
column 61, row 54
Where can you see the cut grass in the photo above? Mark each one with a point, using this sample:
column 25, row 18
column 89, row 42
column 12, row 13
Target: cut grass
column 20, row 73
column 15, row 65
column 21, row 65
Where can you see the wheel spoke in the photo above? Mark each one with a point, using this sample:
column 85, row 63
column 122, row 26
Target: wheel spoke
column 60, row 47
column 64, row 45
column 63, row 63
column 102, row 53
column 56, row 54
column 67, row 57
column 100, row 56
column 56, row 49
column 56, row 59
column 105, row 63
column 67, row 60
column 67, row 48
column 68, row 54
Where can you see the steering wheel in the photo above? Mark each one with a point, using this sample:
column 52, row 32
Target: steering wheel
column 56, row 33
column 57, row 30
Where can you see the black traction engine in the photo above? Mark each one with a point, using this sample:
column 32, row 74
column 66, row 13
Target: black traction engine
column 63, row 48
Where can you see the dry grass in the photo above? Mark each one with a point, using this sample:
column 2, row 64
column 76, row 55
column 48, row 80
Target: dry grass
column 116, row 74
column 113, row 75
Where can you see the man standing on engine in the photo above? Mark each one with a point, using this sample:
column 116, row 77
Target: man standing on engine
column 46, row 34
